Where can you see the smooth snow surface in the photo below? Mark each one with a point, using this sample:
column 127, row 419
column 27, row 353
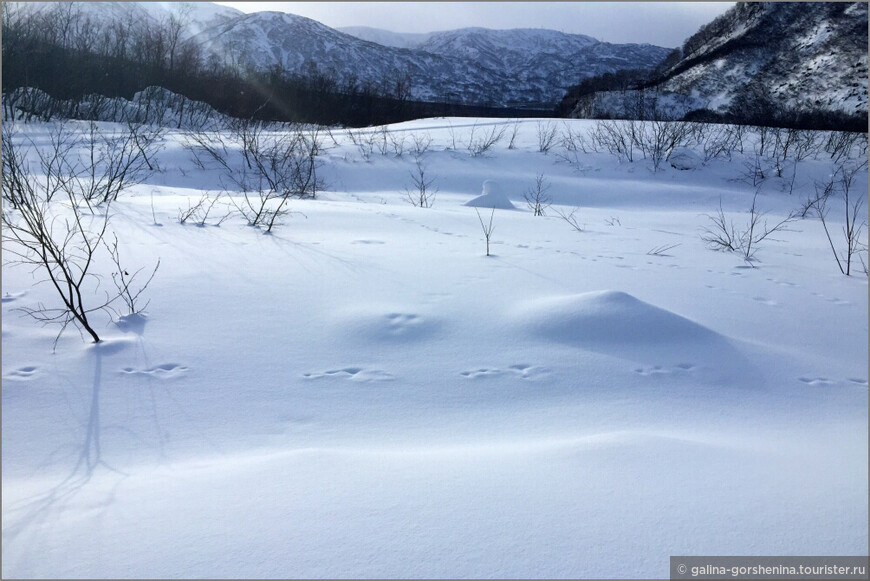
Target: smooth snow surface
column 364, row 393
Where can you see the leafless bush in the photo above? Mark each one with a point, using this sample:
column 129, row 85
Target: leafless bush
column 480, row 141
column 657, row 139
column 839, row 186
column 207, row 148
column 192, row 210
column 364, row 142
column 722, row 234
column 382, row 140
column 278, row 165
column 720, row 141
column 95, row 167
column 753, row 170
column 113, row 164
column 661, row 250
column 537, row 197
column 842, row 145
column 397, row 142
column 421, row 193
column 199, row 212
column 725, row 236
column 765, row 137
column 452, row 146
column 487, row 228
column 124, row 281
column 571, row 218
column 573, row 144
column 58, row 239
column 804, row 144
column 546, row 133
column 421, row 144
column 616, row 137
column 515, row 129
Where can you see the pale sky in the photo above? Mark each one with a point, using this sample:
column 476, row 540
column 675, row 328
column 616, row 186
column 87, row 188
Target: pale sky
column 661, row 23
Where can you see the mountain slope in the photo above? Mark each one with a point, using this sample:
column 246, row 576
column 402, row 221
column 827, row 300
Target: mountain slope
column 387, row 37
column 762, row 58
column 474, row 65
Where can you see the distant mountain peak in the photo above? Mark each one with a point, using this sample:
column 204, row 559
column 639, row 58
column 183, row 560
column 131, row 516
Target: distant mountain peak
column 474, row 65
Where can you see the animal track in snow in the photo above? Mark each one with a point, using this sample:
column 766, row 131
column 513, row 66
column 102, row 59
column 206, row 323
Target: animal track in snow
column 815, row 380
column 824, row 381
column 391, row 324
column 521, row 371
column 10, row 297
column 834, row 300
column 21, row 373
column 782, row 282
column 765, row 301
column 164, row 371
column 659, row 370
column 354, row 374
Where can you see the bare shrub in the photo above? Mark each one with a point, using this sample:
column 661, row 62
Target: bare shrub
column 124, row 281
column 480, row 141
column 364, row 142
column 422, row 193
column 277, row 166
column 661, row 250
column 112, row 164
column 571, row 218
column 843, row 144
column 397, row 142
column 382, row 140
column 720, row 141
column 200, row 212
column 615, row 137
column 573, row 144
column 515, row 129
column 537, row 197
column 839, row 186
column 61, row 241
column 546, row 133
column 657, row 139
column 725, row 236
column 487, row 228
column 420, row 144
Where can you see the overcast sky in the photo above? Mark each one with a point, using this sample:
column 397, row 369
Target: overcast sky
column 662, row 23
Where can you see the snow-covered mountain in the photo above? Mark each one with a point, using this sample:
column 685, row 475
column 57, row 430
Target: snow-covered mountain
column 194, row 16
column 472, row 65
column 524, row 67
column 387, row 37
column 800, row 56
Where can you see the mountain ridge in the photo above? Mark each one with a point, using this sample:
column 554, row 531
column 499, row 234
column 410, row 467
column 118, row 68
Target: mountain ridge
column 760, row 61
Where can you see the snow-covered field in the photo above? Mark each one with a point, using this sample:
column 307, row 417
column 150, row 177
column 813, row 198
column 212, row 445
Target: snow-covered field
column 364, row 393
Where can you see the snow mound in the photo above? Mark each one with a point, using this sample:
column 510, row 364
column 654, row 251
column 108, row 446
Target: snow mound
column 606, row 317
column 683, row 158
column 616, row 324
column 132, row 323
column 492, row 197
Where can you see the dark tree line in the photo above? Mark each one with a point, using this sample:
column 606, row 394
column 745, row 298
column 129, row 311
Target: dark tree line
column 60, row 50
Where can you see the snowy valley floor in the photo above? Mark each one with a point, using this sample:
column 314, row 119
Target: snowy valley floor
column 363, row 393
